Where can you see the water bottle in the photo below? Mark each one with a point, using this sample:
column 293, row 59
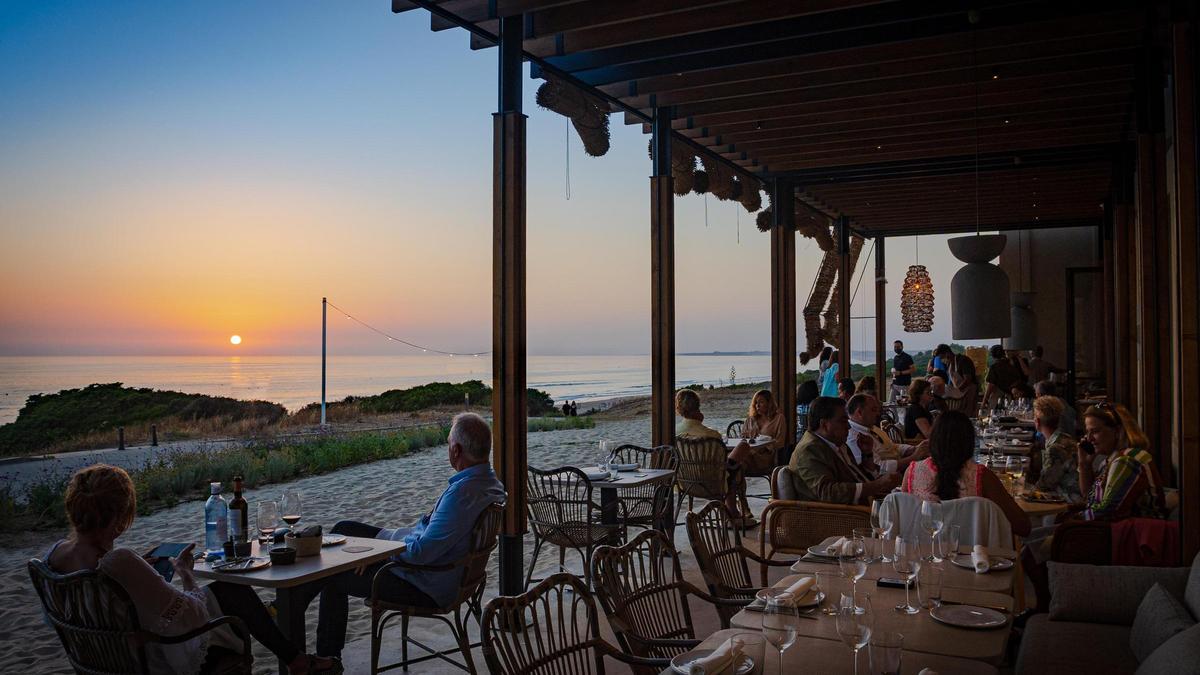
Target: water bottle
column 216, row 520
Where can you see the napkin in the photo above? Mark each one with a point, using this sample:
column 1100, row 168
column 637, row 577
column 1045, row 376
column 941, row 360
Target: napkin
column 722, row 659
column 836, row 547
column 927, row 671
column 310, row 531
column 792, row 594
column 980, row 559
column 761, row 438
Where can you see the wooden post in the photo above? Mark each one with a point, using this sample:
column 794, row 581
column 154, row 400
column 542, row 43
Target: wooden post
column 844, row 282
column 1123, row 288
column 662, row 284
column 154, row 435
column 509, row 396
column 783, row 301
column 120, row 438
column 881, row 383
column 1185, row 278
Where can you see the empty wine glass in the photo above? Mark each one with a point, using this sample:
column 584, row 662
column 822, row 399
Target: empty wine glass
column 852, row 562
column 907, row 563
column 779, row 625
column 951, row 542
column 605, row 456
column 887, row 531
column 854, row 626
column 268, row 520
column 931, row 522
column 290, row 507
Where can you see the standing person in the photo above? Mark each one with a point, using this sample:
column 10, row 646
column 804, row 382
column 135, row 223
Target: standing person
column 574, row 409
column 566, row 408
column 1038, row 368
column 101, row 503
column 1001, row 377
column 942, row 358
column 829, row 385
column 823, row 361
column 442, row 536
column 902, row 370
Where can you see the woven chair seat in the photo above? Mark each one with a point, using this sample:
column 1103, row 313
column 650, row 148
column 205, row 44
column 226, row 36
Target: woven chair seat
column 574, row 535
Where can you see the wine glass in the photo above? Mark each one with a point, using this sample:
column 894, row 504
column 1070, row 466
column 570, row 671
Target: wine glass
column 880, row 523
column 290, row 507
column 268, row 519
column 907, row 563
column 887, row 527
column 779, row 625
column 605, row 456
column 951, row 542
column 852, row 562
column 854, row 624
column 931, row 522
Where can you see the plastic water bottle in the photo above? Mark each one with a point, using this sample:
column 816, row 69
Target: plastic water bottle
column 216, row 520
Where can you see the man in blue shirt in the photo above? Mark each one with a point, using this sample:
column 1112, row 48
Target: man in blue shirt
column 439, row 538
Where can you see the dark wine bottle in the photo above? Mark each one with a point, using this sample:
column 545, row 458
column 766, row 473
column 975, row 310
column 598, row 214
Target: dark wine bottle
column 239, row 514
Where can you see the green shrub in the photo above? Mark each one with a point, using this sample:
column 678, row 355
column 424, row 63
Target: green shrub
column 535, row 424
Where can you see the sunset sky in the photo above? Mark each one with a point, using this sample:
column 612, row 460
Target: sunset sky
column 172, row 174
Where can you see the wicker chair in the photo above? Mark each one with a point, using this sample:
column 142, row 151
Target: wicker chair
column 644, row 594
column 563, row 514
column 734, row 430
column 722, row 559
column 790, row 527
column 472, row 569
column 551, row 629
column 701, row 473
column 894, row 431
column 639, row 500
column 98, row 624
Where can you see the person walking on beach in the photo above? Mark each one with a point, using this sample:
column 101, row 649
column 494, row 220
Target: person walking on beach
column 566, row 408
column 574, row 409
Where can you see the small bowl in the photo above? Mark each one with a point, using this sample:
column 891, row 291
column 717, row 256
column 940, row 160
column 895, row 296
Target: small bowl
column 281, row 555
column 304, row 546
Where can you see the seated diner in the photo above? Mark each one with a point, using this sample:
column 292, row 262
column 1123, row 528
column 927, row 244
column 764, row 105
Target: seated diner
column 918, row 421
column 823, row 470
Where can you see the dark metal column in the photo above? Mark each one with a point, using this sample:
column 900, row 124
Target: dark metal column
column 508, row 302
column 881, row 383
column 783, row 301
column 844, row 290
column 662, row 284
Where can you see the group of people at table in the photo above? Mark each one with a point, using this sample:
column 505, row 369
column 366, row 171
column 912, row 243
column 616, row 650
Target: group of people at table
column 843, row 457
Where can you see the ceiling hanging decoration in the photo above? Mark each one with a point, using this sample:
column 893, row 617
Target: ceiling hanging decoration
column 1021, row 314
column 588, row 113
column 916, row 299
column 979, row 298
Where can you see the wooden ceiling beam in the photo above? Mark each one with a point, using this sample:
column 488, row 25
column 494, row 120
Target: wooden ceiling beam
column 914, row 230
column 894, row 22
column 989, row 45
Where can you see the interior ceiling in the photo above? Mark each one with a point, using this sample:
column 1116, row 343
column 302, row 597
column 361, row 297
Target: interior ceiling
column 879, row 110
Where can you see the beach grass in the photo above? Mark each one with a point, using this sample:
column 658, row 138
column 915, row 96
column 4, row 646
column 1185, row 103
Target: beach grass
column 536, row 424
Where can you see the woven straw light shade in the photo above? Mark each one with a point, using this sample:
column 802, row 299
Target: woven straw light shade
column 916, row 300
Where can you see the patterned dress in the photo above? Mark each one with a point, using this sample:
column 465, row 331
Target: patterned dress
column 921, row 479
column 1127, row 485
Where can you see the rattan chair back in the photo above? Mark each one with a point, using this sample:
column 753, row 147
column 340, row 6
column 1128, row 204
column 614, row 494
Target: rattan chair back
column 717, row 545
column 734, row 430
column 550, row 629
column 639, row 500
column 561, row 510
column 641, row 587
column 701, row 473
column 791, row 527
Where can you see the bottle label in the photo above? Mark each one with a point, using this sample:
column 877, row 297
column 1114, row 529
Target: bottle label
column 235, row 524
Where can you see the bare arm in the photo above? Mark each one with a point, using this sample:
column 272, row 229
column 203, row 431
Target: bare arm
column 924, row 426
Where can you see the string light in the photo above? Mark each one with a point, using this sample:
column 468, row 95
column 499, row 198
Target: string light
column 393, row 338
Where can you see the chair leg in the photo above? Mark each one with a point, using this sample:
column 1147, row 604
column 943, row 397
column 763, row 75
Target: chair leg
column 404, row 641
column 562, row 559
column 376, row 640
column 537, row 548
column 464, row 642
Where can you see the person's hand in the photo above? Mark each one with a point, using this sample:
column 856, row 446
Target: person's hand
column 185, row 562
column 922, row 451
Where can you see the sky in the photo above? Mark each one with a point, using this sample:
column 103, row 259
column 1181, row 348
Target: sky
column 172, row 174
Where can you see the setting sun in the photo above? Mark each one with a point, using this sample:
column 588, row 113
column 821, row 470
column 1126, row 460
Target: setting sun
column 235, row 339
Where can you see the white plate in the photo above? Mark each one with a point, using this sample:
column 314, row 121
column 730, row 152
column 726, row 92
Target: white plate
column 248, row 565
column 810, row 599
column 968, row 616
column 821, row 551
column 996, row 564
column 683, row 662
column 333, row 539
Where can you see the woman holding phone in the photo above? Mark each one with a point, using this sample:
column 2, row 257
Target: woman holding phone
column 100, row 504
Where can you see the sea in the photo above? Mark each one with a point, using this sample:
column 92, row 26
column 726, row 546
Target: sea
column 295, row 381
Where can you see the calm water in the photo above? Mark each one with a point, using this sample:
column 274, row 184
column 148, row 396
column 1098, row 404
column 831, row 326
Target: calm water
column 296, row 380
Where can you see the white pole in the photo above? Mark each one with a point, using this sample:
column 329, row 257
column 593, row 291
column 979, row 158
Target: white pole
column 323, row 312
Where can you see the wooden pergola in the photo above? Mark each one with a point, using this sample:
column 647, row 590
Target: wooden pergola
column 884, row 119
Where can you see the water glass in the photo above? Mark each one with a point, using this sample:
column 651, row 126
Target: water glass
column 268, row 520
column 929, row 586
column 779, row 625
column 886, row 651
column 833, row 585
column 907, row 564
column 852, row 562
column 754, row 645
column 931, row 522
column 605, row 456
column 951, row 541
column 854, row 626
column 613, row 471
column 869, row 541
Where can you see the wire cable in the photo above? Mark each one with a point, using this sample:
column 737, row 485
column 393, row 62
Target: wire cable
column 393, row 338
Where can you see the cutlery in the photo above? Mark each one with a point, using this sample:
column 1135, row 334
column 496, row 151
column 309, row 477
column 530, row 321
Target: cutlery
column 998, row 608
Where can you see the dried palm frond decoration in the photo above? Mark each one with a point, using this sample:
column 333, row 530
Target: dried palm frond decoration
column 700, row 181
column 721, row 180
column 588, row 114
column 764, row 219
column 833, row 322
column 683, row 166
column 916, row 300
column 751, row 197
column 818, row 297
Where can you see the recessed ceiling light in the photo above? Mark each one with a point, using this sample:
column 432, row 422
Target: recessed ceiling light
column 995, row 77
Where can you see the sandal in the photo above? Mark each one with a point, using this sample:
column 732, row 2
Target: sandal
column 334, row 667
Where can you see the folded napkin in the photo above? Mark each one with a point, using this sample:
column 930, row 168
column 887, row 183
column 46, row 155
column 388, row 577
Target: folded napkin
column 980, row 559
column 761, row 438
column 794, row 593
column 721, row 660
column 838, row 546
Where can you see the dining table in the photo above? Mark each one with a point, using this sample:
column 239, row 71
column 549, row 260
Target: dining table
column 954, row 576
column 610, row 488
column 293, row 584
column 922, row 633
column 816, row 655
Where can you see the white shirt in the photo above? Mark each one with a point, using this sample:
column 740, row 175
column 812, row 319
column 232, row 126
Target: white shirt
column 885, row 465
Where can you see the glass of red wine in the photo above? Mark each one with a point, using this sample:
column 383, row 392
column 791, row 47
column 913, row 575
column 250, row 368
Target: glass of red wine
column 290, row 508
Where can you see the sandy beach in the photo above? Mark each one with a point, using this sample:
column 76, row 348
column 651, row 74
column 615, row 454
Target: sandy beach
column 394, row 492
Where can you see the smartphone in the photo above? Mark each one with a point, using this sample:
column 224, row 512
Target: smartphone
column 888, row 582
column 160, row 559
column 1087, row 446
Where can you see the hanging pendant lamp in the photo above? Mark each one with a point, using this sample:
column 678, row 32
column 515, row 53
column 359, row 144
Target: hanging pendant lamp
column 916, row 300
column 979, row 298
column 1023, row 318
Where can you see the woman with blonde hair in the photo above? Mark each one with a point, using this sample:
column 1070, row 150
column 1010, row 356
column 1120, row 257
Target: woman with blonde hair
column 764, row 418
column 1117, row 475
column 1059, row 463
column 100, row 504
